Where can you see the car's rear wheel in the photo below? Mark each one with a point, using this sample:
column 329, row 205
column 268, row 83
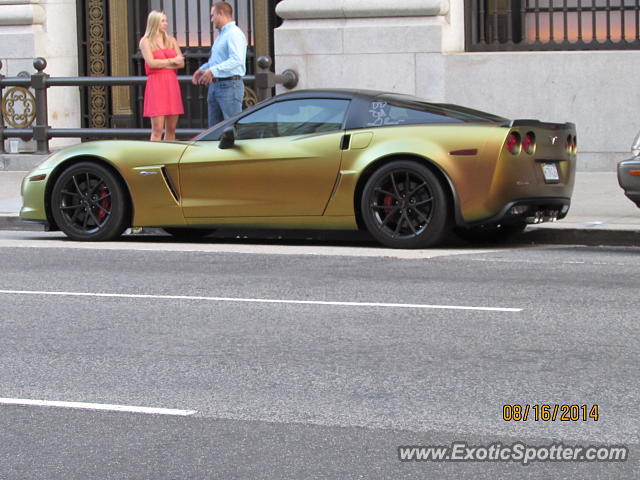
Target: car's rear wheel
column 491, row 233
column 403, row 205
column 88, row 203
column 189, row 232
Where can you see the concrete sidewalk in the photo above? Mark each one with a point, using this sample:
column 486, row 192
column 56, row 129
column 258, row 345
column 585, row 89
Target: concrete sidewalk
column 600, row 214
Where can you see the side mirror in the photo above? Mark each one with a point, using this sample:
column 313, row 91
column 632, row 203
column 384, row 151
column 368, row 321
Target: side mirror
column 228, row 138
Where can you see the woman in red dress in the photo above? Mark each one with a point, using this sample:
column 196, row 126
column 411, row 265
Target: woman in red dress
column 162, row 56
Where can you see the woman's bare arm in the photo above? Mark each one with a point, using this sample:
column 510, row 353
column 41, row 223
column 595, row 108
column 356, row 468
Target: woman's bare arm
column 145, row 48
column 177, row 61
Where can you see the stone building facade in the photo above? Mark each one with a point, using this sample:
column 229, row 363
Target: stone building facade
column 43, row 28
column 418, row 47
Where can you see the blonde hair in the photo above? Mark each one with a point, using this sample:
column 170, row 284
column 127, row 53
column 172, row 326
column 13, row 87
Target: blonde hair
column 153, row 28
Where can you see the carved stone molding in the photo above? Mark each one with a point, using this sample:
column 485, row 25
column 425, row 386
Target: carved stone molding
column 13, row 15
column 304, row 9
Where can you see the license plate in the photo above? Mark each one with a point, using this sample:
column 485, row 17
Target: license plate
column 550, row 171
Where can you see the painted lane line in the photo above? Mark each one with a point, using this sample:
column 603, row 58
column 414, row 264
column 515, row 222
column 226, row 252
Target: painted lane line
column 262, row 300
column 96, row 406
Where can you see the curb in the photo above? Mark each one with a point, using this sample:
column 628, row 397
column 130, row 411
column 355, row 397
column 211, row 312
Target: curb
column 533, row 236
column 580, row 236
column 19, row 162
column 13, row 222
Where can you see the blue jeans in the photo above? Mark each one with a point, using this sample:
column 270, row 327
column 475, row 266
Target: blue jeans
column 224, row 99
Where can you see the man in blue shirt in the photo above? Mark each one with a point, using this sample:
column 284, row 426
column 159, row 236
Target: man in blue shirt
column 226, row 66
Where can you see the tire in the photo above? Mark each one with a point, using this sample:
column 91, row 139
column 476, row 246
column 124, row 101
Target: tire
column 403, row 205
column 89, row 203
column 188, row 232
column 496, row 233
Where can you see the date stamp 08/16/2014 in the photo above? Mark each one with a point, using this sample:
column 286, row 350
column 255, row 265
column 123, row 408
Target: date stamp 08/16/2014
column 550, row 412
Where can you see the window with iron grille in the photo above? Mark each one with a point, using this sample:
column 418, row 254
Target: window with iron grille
column 504, row 25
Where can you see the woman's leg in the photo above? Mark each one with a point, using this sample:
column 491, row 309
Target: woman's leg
column 170, row 127
column 157, row 124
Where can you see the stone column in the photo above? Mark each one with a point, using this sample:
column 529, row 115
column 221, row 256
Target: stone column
column 21, row 35
column 372, row 44
column 43, row 28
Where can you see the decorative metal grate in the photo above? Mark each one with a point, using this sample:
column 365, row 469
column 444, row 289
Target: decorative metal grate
column 108, row 36
column 18, row 107
column 509, row 25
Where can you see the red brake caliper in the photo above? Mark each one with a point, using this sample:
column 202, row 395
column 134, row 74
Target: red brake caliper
column 105, row 203
column 387, row 202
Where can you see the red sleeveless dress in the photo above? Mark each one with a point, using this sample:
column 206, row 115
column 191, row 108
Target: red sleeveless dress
column 162, row 94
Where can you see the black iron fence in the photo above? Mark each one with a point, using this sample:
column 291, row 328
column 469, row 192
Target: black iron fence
column 33, row 118
column 511, row 25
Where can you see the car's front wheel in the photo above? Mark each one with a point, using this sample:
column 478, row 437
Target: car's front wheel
column 88, row 203
column 403, row 205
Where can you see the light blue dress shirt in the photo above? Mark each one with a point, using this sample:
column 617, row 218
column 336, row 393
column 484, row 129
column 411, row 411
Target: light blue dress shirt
column 228, row 53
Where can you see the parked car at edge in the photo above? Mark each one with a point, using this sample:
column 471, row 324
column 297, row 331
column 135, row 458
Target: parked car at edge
column 404, row 169
column 629, row 173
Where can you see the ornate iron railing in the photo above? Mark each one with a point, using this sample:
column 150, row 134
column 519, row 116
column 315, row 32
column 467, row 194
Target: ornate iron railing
column 33, row 106
column 511, row 25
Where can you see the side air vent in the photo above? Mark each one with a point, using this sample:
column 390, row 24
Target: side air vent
column 170, row 184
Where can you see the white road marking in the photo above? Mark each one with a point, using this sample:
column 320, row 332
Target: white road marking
column 96, row 406
column 260, row 300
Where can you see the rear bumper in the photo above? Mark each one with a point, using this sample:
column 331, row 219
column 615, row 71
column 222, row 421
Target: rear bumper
column 630, row 183
column 530, row 210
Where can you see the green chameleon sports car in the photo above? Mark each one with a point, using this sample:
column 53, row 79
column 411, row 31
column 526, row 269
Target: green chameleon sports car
column 398, row 166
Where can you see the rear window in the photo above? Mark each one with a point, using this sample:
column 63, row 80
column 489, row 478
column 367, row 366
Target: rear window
column 407, row 110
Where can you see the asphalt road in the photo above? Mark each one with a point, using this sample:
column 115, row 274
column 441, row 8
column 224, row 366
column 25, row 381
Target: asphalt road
column 385, row 352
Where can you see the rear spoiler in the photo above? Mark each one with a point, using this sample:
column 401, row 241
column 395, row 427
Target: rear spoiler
column 523, row 122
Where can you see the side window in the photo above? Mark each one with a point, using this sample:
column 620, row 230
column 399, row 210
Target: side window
column 293, row 117
column 383, row 113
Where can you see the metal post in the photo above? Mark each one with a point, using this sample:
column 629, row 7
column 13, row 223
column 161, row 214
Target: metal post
column 2, row 150
column 265, row 78
column 41, row 128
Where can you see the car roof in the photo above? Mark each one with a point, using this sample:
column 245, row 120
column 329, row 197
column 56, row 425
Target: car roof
column 332, row 92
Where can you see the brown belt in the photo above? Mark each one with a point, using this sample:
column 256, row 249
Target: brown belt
column 235, row 77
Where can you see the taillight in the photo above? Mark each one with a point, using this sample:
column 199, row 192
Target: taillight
column 571, row 144
column 529, row 143
column 513, row 143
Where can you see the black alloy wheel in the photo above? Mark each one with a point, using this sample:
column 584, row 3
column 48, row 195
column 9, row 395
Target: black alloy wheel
column 187, row 233
column 404, row 206
column 88, row 203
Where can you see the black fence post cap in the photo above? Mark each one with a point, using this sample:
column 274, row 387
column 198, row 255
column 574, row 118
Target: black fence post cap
column 39, row 64
column 264, row 61
column 291, row 79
